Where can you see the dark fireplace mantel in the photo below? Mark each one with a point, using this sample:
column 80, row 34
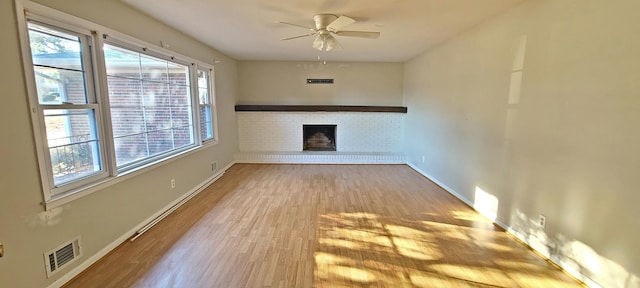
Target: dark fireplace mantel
column 319, row 108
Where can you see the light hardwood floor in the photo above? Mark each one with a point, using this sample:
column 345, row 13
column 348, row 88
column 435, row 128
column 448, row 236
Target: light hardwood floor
column 323, row 226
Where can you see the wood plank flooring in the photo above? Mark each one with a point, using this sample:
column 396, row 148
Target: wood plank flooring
column 323, row 226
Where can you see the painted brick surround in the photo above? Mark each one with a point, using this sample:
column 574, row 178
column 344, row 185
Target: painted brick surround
column 266, row 137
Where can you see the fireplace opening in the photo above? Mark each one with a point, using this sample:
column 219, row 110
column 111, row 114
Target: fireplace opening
column 319, row 137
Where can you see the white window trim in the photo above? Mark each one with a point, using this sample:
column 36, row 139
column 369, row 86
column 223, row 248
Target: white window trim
column 27, row 9
column 212, row 99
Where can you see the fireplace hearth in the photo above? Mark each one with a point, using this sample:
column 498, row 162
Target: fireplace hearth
column 319, row 137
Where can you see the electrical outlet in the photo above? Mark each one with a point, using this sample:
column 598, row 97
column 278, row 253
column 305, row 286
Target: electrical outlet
column 542, row 221
column 423, row 158
column 173, row 183
column 214, row 165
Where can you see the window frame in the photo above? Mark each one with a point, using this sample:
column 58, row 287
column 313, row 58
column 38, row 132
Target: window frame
column 123, row 44
column 212, row 102
column 98, row 100
column 37, row 108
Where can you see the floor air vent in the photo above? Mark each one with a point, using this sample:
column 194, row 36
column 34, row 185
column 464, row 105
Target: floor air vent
column 61, row 256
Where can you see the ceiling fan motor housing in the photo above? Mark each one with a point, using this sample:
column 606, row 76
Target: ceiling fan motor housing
column 323, row 20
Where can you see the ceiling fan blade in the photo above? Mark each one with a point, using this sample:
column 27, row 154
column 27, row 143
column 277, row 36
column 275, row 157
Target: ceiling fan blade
column 341, row 22
column 360, row 34
column 299, row 36
column 296, row 25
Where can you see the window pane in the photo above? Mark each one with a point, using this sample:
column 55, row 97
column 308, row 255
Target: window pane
column 180, row 95
column 127, row 121
column 157, row 118
column 203, row 79
column 58, row 66
column 178, row 73
column 205, row 122
column 155, row 94
column 160, row 141
column 55, row 49
column 204, row 99
column 182, row 136
column 153, row 69
column 57, row 86
column 150, row 114
column 73, row 144
column 130, row 148
column 124, row 92
column 122, row 63
column 203, row 96
column 180, row 117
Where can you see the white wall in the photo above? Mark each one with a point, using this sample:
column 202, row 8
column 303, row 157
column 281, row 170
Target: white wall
column 563, row 143
column 100, row 218
column 284, row 83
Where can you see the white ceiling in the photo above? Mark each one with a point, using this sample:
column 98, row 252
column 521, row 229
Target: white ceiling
column 246, row 29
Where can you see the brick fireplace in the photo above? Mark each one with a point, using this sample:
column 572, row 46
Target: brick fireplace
column 351, row 138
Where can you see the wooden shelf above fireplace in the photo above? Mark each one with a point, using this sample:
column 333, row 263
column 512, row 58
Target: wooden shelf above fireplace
column 319, row 108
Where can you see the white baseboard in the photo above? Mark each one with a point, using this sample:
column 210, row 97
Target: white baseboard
column 319, row 158
column 576, row 274
column 95, row 257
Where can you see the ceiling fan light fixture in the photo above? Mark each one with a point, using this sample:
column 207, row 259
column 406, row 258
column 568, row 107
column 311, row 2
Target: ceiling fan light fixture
column 327, row 25
column 331, row 43
column 318, row 43
column 324, row 42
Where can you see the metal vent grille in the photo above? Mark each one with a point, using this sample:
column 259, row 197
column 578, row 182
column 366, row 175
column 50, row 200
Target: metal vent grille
column 319, row 81
column 62, row 256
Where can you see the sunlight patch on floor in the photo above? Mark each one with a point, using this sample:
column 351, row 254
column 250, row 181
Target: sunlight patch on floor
column 362, row 249
column 361, row 215
column 484, row 275
column 416, row 250
column 349, row 244
column 494, row 246
column 472, row 216
column 353, row 274
column 331, row 259
column 359, row 235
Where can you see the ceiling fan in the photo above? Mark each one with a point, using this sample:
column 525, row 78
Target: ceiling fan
column 328, row 25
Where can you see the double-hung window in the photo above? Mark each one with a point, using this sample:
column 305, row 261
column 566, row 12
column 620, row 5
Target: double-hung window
column 106, row 105
column 67, row 106
column 205, row 102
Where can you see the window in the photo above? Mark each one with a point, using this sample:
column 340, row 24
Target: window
column 205, row 102
column 67, row 104
column 150, row 103
column 105, row 105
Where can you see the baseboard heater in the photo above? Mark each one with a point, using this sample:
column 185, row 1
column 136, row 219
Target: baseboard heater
column 167, row 212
